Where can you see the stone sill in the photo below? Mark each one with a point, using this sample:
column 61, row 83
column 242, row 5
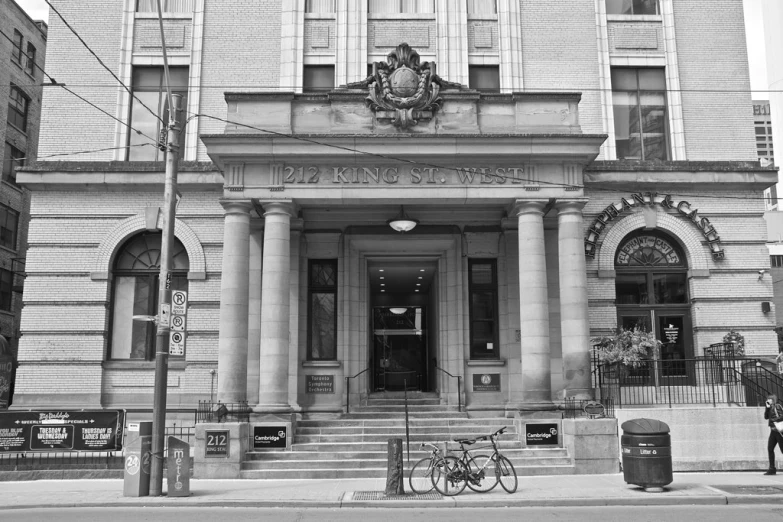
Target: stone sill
column 174, row 364
column 487, row 362
column 633, row 18
column 321, row 364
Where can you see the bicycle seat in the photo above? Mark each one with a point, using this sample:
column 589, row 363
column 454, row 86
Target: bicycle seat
column 467, row 442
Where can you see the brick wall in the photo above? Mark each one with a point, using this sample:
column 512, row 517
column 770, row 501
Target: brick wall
column 560, row 52
column 713, row 56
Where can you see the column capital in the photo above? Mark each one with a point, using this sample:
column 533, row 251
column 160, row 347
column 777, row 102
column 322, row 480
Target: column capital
column 570, row 206
column 528, row 206
column 237, row 206
column 278, row 207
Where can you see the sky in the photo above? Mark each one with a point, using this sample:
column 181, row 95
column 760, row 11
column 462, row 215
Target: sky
column 754, row 29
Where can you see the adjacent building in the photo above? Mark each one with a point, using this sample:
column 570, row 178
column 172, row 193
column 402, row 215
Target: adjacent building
column 22, row 52
column 388, row 194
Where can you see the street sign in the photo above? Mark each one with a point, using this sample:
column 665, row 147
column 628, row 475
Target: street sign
column 165, row 313
column 177, row 343
column 179, row 302
column 178, row 323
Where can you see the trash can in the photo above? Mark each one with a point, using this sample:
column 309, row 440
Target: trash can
column 647, row 454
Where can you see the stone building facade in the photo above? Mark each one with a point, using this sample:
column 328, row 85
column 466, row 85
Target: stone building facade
column 22, row 53
column 567, row 172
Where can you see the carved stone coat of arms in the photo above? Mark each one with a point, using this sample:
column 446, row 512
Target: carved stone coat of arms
column 402, row 89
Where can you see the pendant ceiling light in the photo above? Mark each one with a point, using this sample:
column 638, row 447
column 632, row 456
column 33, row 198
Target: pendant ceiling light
column 398, row 310
column 403, row 223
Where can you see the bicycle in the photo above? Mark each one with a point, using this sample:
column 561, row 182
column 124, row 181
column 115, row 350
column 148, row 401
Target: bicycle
column 436, row 471
column 476, row 476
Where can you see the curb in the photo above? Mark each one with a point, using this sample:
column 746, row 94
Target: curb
column 446, row 503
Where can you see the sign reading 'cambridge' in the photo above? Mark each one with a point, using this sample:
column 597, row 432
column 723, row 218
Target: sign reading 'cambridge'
column 313, row 174
column 61, row 430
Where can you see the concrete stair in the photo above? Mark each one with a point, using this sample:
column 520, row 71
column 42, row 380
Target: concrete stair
column 355, row 445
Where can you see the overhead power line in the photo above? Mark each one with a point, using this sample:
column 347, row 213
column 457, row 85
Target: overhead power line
column 101, row 61
column 82, row 98
column 75, row 153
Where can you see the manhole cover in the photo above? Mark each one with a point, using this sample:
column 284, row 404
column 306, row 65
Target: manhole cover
column 751, row 490
column 380, row 495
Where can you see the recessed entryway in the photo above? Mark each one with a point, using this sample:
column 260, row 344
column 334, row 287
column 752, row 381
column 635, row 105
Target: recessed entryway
column 402, row 323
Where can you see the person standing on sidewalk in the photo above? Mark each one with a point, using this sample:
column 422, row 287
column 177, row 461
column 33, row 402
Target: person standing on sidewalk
column 773, row 413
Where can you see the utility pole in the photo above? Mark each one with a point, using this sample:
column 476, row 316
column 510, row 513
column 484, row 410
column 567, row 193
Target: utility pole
column 164, row 301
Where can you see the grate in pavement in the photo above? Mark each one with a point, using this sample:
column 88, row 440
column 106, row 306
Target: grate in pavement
column 380, row 495
column 751, row 490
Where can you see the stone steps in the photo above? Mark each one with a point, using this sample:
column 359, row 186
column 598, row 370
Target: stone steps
column 400, row 422
column 416, row 454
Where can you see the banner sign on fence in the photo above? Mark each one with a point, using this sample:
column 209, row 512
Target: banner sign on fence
column 61, row 430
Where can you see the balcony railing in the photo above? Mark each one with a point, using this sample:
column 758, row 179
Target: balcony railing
column 740, row 381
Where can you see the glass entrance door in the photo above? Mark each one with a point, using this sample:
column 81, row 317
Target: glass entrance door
column 672, row 327
column 399, row 348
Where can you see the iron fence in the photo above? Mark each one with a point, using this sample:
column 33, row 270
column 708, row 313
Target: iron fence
column 577, row 408
column 711, row 380
column 209, row 411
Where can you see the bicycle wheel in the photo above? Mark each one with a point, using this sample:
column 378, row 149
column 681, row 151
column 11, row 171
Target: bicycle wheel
column 448, row 476
column 506, row 474
column 481, row 479
column 420, row 478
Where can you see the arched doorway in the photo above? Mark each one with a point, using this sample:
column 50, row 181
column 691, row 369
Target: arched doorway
column 651, row 289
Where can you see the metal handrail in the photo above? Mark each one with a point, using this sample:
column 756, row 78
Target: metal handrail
column 459, row 387
column 407, row 421
column 348, row 389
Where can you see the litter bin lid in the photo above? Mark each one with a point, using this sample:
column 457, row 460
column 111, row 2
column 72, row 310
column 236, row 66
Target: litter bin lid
column 644, row 427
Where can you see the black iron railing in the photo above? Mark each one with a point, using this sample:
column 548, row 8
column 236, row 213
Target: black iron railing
column 577, row 408
column 459, row 386
column 348, row 389
column 704, row 380
column 209, row 411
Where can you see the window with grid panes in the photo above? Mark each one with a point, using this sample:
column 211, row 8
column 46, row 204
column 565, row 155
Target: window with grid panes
column 16, row 51
column 632, row 7
column 640, row 116
column 400, row 6
column 776, row 261
column 17, row 108
column 483, row 289
column 12, row 158
column 9, row 222
column 135, row 276
column 322, row 309
column 30, row 63
column 149, row 88
column 166, row 6
column 6, row 289
column 319, row 6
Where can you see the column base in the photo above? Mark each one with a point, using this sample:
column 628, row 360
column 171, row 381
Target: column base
column 272, row 408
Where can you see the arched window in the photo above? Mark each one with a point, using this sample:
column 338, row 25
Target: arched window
column 651, row 289
column 136, row 274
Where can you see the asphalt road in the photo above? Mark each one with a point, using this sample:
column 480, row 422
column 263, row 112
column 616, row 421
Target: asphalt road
column 586, row 514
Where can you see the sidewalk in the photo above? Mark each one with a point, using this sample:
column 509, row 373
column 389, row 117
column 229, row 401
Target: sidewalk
column 571, row 490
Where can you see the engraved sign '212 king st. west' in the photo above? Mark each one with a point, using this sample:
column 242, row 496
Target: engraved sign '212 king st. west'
column 312, row 174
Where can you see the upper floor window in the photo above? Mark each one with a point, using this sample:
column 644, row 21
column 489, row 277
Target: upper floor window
column 640, row 120
column 136, row 274
column 401, row 6
column 632, row 7
column 319, row 6
column 30, row 65
column 9, row 222
column 16, row 52
column 148, row 86
column 483, row 288
column 318, row 78
column 167, row 6
column 12, row 158
column 484, row 78
column 482, row 7
column 17, row 108
column 6, row 289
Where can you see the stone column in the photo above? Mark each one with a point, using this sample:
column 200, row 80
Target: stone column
column 574, row 326
column 275, row 301
column 232, row 342
column 533, row 306
column 254, row 311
